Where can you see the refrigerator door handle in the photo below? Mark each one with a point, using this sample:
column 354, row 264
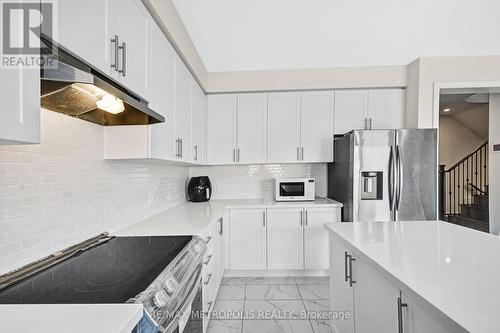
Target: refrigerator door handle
column 399, row 176
column 391, row 180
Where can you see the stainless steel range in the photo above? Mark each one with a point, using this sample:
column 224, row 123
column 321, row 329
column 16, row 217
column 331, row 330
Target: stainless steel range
column 162, row 273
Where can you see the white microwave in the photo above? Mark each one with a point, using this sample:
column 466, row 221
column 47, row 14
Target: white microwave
column 294, row 189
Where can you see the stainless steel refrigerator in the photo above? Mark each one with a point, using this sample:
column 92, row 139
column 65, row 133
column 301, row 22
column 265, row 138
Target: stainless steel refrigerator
column 385, row 175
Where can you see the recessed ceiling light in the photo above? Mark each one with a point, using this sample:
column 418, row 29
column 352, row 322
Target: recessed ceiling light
column 447, row 110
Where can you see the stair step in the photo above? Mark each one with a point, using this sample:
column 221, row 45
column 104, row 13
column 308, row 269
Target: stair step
column 468, row 222
column 481, row 200
column 475, row 212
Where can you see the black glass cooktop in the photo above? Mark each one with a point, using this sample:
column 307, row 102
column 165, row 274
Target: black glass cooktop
column 112, row 272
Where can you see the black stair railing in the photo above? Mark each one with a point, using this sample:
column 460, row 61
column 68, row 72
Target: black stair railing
column 464, row 180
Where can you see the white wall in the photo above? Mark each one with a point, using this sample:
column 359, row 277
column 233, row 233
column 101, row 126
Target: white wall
column 455, row 140
column 494, row 164
column 61, row 192
column 256, row 181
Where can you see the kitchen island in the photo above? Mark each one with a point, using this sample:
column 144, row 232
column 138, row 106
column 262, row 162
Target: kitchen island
column 417, row 277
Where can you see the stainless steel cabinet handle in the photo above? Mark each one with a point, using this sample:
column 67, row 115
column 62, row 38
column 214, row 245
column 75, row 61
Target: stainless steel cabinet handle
column 209, row 238
column 264, row 218
column 401, row 305
column 302, row 153
column 306, row 217
column 238, row 155
column 346, row 258
column 208, row 260
column 115, row 41
column 196, row 152
column 234, row 155
column 298, row 154
column 208, row 280
column 301, row 218
column 180, row 153
column 178, row 148
column 221, row 229
column 123, row 47
column 370, row 123
column 351, row 281
column 366, row 123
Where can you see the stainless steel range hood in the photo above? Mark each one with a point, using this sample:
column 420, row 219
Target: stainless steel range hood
column 73, row 87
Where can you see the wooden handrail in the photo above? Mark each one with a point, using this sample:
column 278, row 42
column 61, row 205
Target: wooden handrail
column 466, row 157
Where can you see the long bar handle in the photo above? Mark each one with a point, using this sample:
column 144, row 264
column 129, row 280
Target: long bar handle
column 401, row 305
column 264, row 218
column 123, row 47
column 306, row 217
column 391, row 179
column 298, row 153
column 370, row 122
column 346, row 266
column 115, row 40
column 221, row 229
column 301, row 153
column 399, row 165
column 196, row 152
column 351, row 281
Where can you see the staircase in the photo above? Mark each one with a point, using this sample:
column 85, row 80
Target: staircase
column 464, row 191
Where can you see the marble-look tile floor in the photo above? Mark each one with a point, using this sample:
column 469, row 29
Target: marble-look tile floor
column 271, row 305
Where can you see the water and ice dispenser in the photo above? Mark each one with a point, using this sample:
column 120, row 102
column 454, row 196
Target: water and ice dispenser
column 371, row 185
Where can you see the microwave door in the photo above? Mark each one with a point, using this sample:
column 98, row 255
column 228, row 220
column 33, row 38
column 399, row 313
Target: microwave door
column 292, row 190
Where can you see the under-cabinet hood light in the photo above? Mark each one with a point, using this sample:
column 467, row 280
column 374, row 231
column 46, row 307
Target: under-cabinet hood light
column 111, row 104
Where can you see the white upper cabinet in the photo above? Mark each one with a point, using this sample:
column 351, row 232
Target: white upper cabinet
column 161, row 93
column 19, row 106
column 248, row 239
column 316, row 126
column 351, row 110
column 368, row 109
column 86, row 29
column 385, row 108
column 182, row 116
column 251, row 128
column 221, row 129
column 283, row 141
column 198, row 132
column 285, row 248
column 132, row 23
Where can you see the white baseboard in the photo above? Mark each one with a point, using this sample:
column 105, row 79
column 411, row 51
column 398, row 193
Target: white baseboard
column 273, row 273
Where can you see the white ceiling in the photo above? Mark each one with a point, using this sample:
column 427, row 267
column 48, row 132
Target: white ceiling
column 285, row 34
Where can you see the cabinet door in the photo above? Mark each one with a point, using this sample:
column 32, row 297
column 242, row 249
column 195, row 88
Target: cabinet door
column 161, row 77
column 251, row 128
column 285, row 235
column 283, row 138
column 132, row 23
column 341, row 294
column 417, row 320
column 375, row 300
column 385, row 108
column 351, row 110
column 248, row 238
column 198, row 132
column 86, row 29
column 19, row 106
column 221, row 125
column 182, row 111
column 316, row 126
column 316, row 236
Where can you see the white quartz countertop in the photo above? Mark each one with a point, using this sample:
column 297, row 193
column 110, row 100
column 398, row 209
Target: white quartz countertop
column 195, row 218
column 457, row 270
column 74, row 318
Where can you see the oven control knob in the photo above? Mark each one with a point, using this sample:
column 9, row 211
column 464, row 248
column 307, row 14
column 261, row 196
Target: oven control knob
column 161, row 299
column 170, row 286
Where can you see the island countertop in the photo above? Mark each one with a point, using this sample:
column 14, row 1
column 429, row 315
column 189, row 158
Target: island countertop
column 455, row 269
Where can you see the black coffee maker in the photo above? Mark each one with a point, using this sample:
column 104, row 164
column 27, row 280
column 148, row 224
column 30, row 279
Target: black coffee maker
column 199, row 189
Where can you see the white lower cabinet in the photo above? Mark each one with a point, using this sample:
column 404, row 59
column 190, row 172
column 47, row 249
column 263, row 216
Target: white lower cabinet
column 212, row 267
column 248, row 239
column 374, row 302
column 316, row 236
column 285, row 241
column 291, row 238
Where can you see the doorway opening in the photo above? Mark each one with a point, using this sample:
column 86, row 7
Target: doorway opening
column 464, row 158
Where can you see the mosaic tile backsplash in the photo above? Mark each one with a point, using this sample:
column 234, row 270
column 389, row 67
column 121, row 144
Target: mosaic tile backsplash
column 61, row 192
column 257, row 181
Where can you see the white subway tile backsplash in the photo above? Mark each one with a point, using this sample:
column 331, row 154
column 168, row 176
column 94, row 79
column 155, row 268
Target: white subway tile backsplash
column 257, row 181
column 61, row 192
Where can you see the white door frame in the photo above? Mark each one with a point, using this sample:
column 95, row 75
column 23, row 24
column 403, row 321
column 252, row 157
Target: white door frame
column 488, row 86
